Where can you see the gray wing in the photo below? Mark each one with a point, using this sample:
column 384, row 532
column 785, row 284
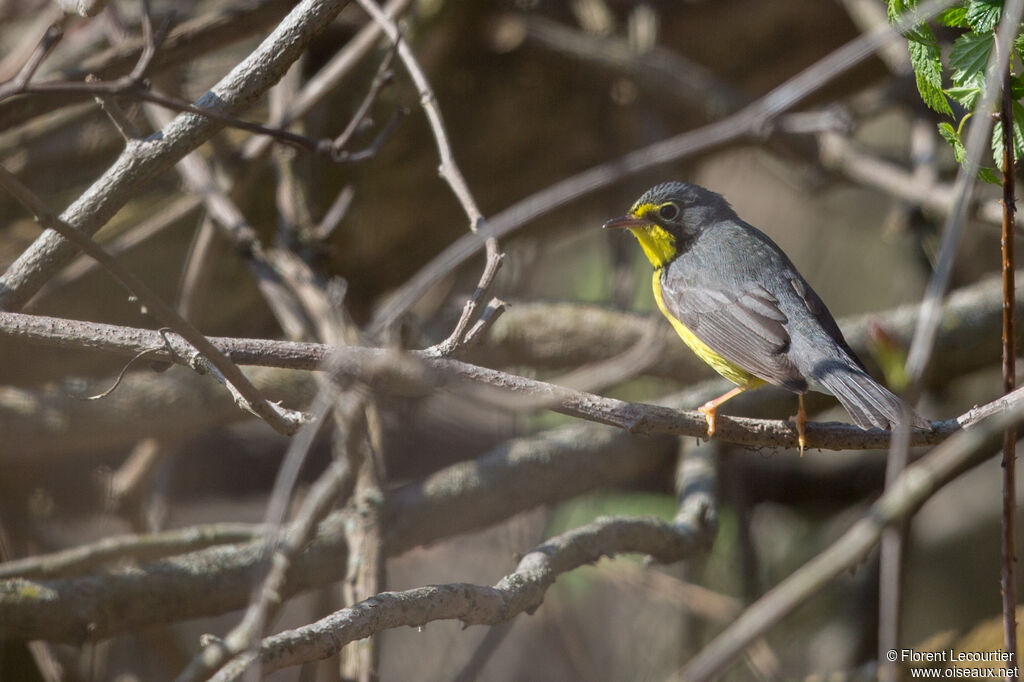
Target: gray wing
column 745, row 326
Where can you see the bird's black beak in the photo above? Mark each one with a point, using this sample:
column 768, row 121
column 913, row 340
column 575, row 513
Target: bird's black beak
column 626, row 222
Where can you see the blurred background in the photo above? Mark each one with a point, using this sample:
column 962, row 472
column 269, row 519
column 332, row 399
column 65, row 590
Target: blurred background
column 532, row 92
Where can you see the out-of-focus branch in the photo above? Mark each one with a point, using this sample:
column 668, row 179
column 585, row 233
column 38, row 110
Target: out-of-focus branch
column 166, row 216
column 249, row 397
column 905, row 496
column 184, row 43
column 136, row 548
column 210, row 581
column 323, row 82
column 521, row 591
column 672, row 74
column 516, row 476
column 840, row 153
column 336, row 481
column 143, row 161
column 53, row 419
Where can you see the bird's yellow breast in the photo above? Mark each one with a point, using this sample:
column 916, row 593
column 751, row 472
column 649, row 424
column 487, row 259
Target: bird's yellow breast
column 727, row 369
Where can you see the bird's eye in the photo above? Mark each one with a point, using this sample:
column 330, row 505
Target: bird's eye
column 668, row 211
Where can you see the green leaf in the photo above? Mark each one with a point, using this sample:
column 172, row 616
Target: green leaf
column 917, row 34
column 1018, row 130
column 954, row 17
column 966, row 96
column 997, row 145
column 983, row 15
column 1018, row 137
column 951, row 136
column 990, row 176
column 969, row 58
column 1017, row 87
column 928, row 72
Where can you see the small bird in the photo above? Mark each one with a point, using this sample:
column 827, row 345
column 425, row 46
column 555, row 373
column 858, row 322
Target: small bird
column 739, row 303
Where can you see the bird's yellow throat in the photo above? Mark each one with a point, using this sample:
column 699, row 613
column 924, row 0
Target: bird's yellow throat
column 658, row 244
column 660, row 247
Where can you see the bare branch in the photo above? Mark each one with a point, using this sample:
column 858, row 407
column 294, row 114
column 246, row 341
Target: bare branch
column 518, row 475
column 135, row 548
column 285, row 421
column 522, row 590
column 141, row 162
column 381, row 369
column 448, row 170
column 50, row 38
column 337, row 480
column 913, row 487
column 183, row 44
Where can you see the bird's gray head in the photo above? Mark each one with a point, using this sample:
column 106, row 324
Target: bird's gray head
column 669, row 215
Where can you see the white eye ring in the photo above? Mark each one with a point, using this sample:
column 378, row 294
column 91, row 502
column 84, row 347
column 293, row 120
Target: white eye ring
column 668, row 211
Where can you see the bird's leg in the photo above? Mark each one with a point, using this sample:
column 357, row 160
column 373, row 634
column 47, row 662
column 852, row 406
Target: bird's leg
column 711, row 406
column 801, row 422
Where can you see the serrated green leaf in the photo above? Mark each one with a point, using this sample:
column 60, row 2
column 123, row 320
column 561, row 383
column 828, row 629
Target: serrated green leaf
column 969, row 58
column 1018, row 130
column 954, row 17
column 990, row 176
column 997, row 145
column 949, row 134
column 1017, row 87
column 917, row 34
column 983, row 15
column 967, row 97
column 1018, row 137
column 1018, row 46
column 928, row 72
column 897, row 7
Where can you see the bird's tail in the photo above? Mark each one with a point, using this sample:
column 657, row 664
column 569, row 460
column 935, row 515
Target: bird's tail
column 867, row 401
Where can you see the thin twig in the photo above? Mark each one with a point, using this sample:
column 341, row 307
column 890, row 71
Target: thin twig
column 495, row 309
column 325, row 81
column 129, row 131
column 184, row 44
column 285, row 421
column 120, row 548
column 134, row 86
column 448, row 170
column 51, row 37
column 284, row 548
column 380, row 79
column 165, row 216
column 139, row 163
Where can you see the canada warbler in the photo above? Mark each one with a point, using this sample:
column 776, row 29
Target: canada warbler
column 740, row 305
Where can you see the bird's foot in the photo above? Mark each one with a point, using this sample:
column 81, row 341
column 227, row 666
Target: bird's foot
column 800, row 421
column 708, row 410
